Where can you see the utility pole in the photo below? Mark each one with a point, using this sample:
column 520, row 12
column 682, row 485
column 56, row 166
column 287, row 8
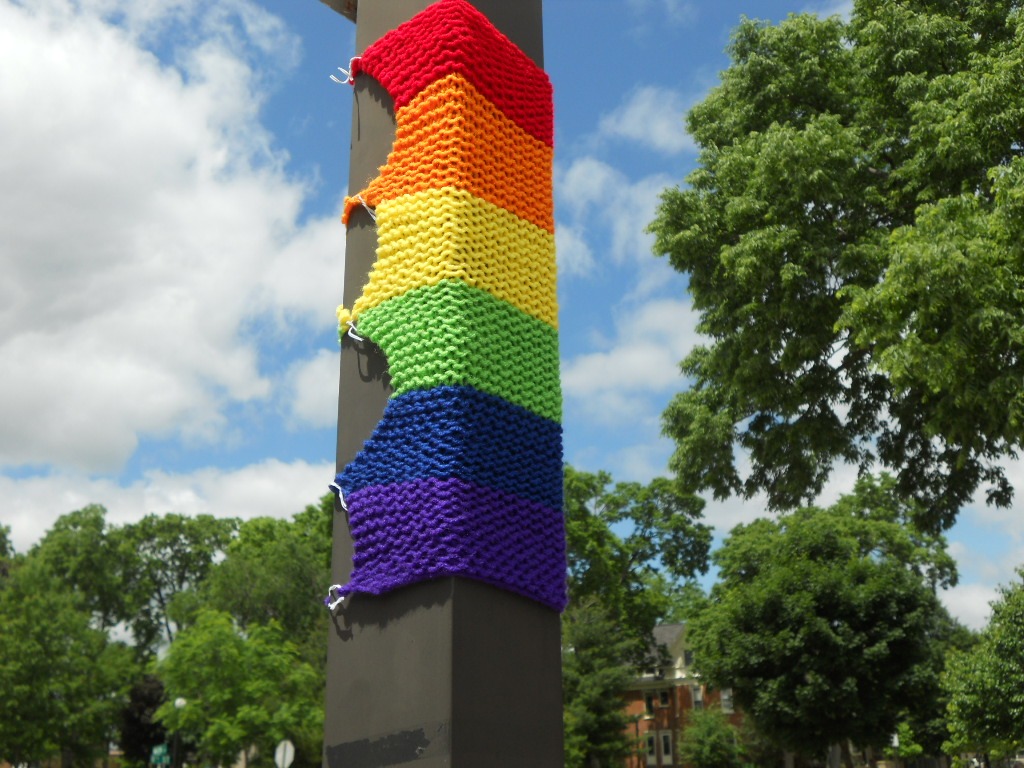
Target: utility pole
column 450, row 672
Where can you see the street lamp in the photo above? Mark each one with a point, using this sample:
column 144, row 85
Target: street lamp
column 179, row 704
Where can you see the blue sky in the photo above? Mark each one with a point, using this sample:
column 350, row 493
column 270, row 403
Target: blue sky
column 172, row 255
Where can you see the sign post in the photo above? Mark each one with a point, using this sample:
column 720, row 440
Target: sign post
column 452, row 672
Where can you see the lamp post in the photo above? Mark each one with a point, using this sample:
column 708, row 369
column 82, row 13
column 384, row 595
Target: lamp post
column 179, row 704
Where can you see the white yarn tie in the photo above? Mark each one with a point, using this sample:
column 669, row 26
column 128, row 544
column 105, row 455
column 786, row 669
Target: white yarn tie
column 355, row 337
column 338, row 599
column 369, row 210
column 349, row 77
column 337, row 490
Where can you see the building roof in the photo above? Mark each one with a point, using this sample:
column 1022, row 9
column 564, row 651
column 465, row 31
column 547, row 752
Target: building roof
column 668, row 634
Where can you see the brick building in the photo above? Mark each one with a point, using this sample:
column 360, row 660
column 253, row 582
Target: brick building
column 660, row 699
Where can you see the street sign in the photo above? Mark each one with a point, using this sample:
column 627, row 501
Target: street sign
column 284, row 754
column 160, row 755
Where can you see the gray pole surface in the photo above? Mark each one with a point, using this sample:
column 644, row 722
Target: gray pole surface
column 451, row 672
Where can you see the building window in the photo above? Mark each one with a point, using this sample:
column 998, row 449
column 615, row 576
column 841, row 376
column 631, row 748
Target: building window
column 727, row 701
column 687, row 658
column 649, row 703
column 698, row 696
column 652, row 754
column 664, row 698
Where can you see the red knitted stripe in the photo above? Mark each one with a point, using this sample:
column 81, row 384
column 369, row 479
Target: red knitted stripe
column 453, row 36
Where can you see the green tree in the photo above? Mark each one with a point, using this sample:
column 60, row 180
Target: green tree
column 925, row 725
column 81, row 550
column 904, row 746
column 273, row 570
column 63, row 681
column 852, row 237
column 316, row 524
column 630, row 547
column 164, row 556
column 709, row 740
column 242, row 691
column 822, row 620
column 595, row 672
column 985, row 685
column 6, row 551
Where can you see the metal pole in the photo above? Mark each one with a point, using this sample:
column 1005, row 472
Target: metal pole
column 451, row 672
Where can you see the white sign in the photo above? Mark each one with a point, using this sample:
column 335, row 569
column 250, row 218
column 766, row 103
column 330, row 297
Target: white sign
column 284, row 754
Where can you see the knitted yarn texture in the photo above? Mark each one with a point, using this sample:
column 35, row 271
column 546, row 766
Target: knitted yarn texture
column 463, row 474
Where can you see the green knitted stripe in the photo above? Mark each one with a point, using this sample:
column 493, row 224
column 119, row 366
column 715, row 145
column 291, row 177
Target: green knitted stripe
column 453, row 334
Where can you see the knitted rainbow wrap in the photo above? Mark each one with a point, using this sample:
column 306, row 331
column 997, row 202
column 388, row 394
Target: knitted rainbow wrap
column 463, row 475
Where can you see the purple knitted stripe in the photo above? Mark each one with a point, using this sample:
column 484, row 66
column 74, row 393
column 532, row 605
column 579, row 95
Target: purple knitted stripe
column 433, row 527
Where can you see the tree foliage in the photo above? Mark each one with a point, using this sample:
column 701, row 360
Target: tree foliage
column 81, row 550
column 630, row 546
column 822, row 622
column 925, row 724
column 73, row 689
column 985, row 685
column 709, row 740
column 6, row 550
column 272, row 571
column 165, row 556
column 595, row 672
column 139, row 731
column 63, row 680
column 852, row 237
column 241, row 690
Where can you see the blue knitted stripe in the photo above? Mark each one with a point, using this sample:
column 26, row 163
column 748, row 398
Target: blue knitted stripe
column 460, row 432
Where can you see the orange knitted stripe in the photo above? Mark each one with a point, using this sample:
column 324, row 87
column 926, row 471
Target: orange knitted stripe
column 450, row 135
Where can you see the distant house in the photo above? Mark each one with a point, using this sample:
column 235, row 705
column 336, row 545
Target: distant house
column 660, row 699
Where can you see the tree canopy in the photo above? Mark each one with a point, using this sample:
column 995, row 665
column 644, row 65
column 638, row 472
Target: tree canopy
column 985, row 684
column 630, row 546
column 852, row 237
column 165, row 556
column 71, row 688
column 709, row 740
column 595, row 672
column 81, row 550
column 63, row 680
column 240, row 690
column 631, row 549
column 823, row 620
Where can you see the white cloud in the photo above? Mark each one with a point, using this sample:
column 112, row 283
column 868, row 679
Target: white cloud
column 313, row 390
column 574, row 255
column 272, row 488
column 651, row 116
column 587, row 183
column 970, row 603
column 603, row 205
column 148, row 225
column 617, row 385
column 726, row 514
column 1010, row 520
column 828, row 8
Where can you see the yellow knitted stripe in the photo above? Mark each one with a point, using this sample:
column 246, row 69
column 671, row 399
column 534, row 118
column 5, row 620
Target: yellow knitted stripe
column 451, row 135
column 444, row 234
